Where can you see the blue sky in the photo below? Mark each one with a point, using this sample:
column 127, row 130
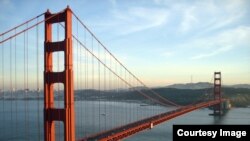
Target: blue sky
column 161, row 41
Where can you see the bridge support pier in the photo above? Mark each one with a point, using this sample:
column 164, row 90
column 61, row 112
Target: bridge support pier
column 217, row 93
column 51, row 113
column 219, row 109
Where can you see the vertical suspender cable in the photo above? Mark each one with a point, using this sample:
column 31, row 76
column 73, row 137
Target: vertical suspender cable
column 11, row 92
column 15, row 89
column 93, row 88
column 27, row 79
column 87, row 86
column 105, row 90
column 112, row 87
column 3, row 92
column 77, row 72
column 81, row 89
column 24, row 87
column 120, row 90
column 99, row 89
column 117, row 88
column 137, row 110
column 81, row 85
column 115, row 83
column 132, row 105
column 86, row 82
column 37, row 79
column 127, row 105
column 123, row 91
column 80, row 76
column 111, row 92
column 133, row 90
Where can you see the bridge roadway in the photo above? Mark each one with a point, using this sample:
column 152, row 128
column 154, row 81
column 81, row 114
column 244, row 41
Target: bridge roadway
column 147, row 123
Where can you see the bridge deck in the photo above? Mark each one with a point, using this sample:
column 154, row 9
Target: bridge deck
column 148, row 123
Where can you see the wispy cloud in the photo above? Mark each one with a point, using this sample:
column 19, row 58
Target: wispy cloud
column 226, row 15
column 197, row 18
column 139, row 18
column 128, row 20
column 210, row 54
column 223, row 42
column 189, row 20
column 205, row 16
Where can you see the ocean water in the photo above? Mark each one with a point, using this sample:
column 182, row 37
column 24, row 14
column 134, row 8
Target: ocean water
column 20, row 120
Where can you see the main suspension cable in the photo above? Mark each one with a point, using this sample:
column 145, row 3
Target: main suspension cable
column 143, row 84
column 28, row 28
column 24, row 23
column 98, row 59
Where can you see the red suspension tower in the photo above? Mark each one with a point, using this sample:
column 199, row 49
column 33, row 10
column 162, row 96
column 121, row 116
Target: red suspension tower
column 217, row 92
column 52, row 114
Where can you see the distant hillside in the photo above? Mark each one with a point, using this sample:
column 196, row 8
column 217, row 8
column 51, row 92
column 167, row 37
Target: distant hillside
column 247, row 86
column 240, row 97
column 199, row 85
column 204, row 85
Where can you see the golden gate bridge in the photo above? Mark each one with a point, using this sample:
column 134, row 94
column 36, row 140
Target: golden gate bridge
column 44, row 78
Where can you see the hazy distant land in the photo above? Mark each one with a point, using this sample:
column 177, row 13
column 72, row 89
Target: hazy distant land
column 182, row 94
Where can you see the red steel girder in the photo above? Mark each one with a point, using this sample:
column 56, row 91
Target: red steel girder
column 148, row 123
column 52, row 114
column 217, row 92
